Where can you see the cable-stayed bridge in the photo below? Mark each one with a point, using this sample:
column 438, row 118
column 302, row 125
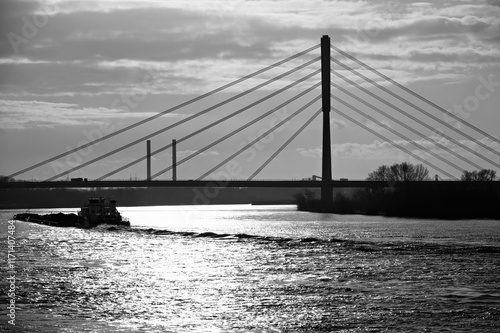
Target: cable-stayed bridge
column 409, row 114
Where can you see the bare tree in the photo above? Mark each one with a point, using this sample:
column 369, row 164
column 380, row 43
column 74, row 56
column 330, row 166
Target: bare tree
column 6, row 179
column 400, row 173
column 481, row 175
column 382, row 173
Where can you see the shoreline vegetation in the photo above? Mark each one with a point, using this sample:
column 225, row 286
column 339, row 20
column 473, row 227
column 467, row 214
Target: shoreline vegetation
column 476, row 196
column 440, row 203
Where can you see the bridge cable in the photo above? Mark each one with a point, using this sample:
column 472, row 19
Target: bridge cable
column 179, row 106
column 185, row 119
column 251, row 143
column 414, row 94
column 400, row 122
column 234, row 132
column 458, row 143
column 393, row 143
column 418, row 109
column 216, row 123
column 277, row 152
column 398, row 134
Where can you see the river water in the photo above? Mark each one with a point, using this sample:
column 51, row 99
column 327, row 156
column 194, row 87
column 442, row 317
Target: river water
column 243, row 268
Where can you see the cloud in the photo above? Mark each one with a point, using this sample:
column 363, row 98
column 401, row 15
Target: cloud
column 383, row 126
column 92, row 52
column 16, row 114
column 372, row 151
column 430, row 143
column 185, row 153
column 139, row 34
column 381, row 150
column 338, row 123
column 199, row 45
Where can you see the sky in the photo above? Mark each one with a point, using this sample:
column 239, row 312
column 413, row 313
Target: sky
column 73, row 71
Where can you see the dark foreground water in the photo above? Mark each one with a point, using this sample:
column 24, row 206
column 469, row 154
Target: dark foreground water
column 254, row 269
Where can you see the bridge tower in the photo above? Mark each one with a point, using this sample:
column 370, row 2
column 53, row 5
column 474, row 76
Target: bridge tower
column 326, row 175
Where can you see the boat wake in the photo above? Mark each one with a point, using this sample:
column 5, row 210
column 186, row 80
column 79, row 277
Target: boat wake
column 357, row 244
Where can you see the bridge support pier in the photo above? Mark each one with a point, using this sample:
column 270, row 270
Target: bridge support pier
column 148, row 157
column 326, row 176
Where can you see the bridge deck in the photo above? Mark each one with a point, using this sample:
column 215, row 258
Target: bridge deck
column 239, row 183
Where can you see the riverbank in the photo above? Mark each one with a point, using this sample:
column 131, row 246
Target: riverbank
column 466, row 202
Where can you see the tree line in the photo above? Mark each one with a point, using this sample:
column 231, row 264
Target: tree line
column 401, row 172
column 456, row 200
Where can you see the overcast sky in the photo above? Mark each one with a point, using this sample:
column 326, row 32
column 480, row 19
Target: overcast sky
column 71, row 71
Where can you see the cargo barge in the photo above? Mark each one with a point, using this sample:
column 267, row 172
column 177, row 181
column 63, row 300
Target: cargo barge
column 94, row 212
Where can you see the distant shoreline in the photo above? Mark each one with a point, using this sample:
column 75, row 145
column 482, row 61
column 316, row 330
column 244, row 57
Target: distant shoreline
column 266, row 203
column 438, row 203
column 70, row 198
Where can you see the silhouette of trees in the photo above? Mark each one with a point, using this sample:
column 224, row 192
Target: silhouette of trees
column 306, row 200
column 444, row 200
column 481, row 175
column 400, row 173
column 5, row 179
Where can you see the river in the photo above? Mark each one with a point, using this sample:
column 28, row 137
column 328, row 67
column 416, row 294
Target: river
column 243, row 268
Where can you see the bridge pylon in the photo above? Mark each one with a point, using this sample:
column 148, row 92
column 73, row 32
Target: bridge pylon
column 326, row 175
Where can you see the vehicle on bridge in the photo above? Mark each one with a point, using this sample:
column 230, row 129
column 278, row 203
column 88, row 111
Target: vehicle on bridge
column 78, row 180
